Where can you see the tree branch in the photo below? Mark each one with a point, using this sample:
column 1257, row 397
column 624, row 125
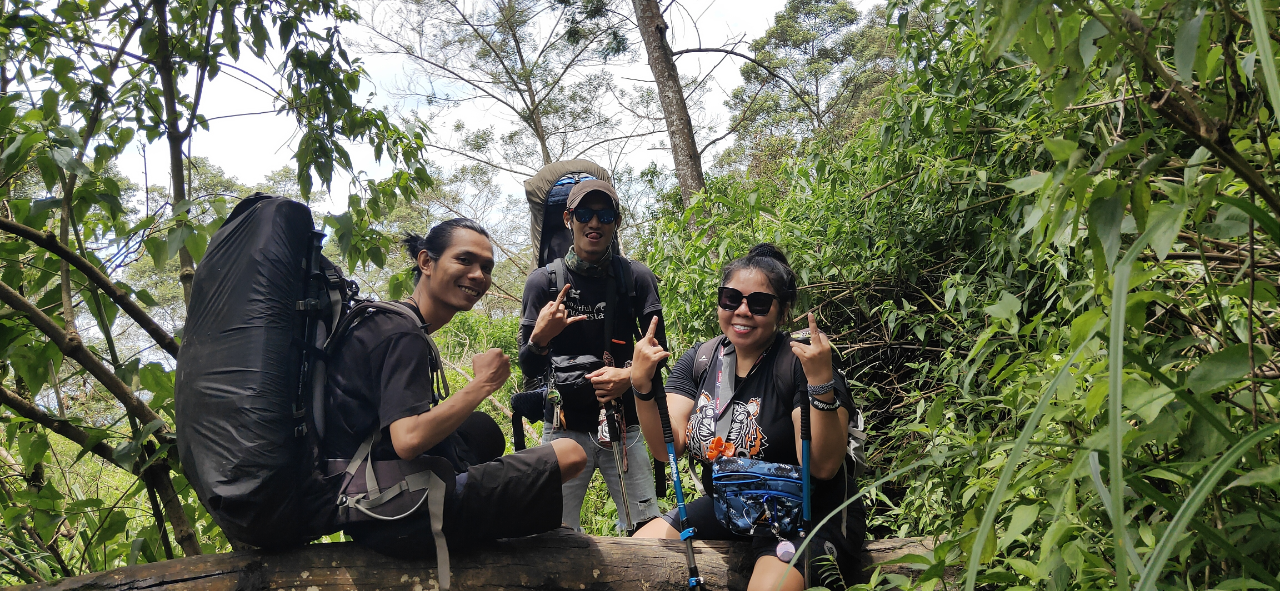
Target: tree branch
column 98, row 278
column 73, row 347
column 744, row 56
column 26, row 570
column 30, row 411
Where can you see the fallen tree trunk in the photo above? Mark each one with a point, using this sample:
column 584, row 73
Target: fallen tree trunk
column 552, row 561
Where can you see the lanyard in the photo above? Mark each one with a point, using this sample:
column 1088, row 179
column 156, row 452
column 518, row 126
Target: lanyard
column 729, row 365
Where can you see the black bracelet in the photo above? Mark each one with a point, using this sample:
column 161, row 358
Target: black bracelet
column 824, row 405
column 653, row 393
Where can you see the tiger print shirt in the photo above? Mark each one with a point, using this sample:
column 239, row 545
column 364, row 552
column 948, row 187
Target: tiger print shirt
column 761, row 426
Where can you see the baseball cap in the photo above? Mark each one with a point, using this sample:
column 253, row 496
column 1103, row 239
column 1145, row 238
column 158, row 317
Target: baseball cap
column 588, row 187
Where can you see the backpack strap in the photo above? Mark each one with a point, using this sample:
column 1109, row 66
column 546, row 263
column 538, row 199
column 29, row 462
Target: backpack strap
column 622, row 270
column 703, row 358
column 559, row 275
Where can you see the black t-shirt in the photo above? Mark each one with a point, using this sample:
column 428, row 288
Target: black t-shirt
column 587, row 297
column 761, row 427
column 380, row 373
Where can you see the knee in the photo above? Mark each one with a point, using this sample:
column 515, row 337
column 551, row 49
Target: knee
column 571, row 458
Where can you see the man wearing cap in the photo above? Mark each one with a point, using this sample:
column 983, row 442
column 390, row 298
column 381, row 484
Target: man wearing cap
column 563, row 337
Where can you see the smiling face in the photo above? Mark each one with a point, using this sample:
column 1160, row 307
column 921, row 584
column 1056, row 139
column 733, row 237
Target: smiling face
column 592, row 239
column 462, row 275
column 745, row 330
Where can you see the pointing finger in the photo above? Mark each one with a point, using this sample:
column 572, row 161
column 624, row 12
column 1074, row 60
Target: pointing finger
column 563, row 291
column 653, row 328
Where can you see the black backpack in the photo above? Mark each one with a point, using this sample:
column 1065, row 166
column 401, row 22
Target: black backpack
column 266, row 310
column 262, row 300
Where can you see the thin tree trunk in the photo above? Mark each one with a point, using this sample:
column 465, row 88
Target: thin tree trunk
column 175, row 137
column 157, row 475
column 684, row 148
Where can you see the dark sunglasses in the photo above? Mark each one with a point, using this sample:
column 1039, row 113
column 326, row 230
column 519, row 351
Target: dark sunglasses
column 584, row 215
column 758, row 303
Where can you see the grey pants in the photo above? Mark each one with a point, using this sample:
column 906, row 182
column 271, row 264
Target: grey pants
column 639, row 477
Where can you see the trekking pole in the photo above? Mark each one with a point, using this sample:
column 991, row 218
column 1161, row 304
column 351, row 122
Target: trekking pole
column 619, row 457
column 686, row 534
column 805, row 436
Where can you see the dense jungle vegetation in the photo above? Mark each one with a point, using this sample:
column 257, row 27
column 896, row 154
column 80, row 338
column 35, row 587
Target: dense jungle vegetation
column 1044, row 235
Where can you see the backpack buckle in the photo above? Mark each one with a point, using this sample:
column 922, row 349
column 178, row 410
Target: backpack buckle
column 307, row 305
column 299, row 410
column 300, row 430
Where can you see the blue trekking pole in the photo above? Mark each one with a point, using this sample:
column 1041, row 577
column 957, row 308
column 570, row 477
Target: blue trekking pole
column 686, row 533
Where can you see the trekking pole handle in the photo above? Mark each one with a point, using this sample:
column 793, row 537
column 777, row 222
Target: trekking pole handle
column 664, row 416
column 804, row 420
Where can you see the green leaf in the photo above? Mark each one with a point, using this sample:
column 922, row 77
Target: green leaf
column 1262, row 292
column 196, row 244
column 1262, row 38
column 1223, row 368
column 1106, row 216
column 1144, row 399
column 1023, row 517
column 145, row 297
column 1028, row 184
column 32, row 364
column 1269, row 476
column 1082, row 324
column 1173, row 534
column 176, row 239
column 1167, row 219
column 1264, row 219
column 934, row 417
column 158, row 250
column 1092, row 31
column 1007, row 308
column 48, row 171
column 1060, row 148
column 1184, row 48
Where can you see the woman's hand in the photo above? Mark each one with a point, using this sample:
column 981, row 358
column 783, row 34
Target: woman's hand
column 645, row 359
column 815, row 357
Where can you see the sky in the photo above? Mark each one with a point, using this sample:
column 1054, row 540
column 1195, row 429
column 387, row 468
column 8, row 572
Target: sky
column 249, row 147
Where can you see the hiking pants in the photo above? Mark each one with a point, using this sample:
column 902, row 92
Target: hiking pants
column 640, row 491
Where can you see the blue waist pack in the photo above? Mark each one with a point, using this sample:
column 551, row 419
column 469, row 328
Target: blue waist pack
column 754, row 497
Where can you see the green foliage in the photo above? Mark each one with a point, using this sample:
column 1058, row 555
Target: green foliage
column 1048, row 253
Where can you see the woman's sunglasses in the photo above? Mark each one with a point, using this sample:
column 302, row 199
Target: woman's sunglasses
column 584, row 215
column 758, row 303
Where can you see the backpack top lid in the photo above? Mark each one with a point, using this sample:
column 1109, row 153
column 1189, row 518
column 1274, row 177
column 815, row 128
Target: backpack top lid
column 539, row 190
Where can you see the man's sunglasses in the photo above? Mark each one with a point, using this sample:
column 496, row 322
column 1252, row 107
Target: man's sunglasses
column 758, row 303
column 584, row 215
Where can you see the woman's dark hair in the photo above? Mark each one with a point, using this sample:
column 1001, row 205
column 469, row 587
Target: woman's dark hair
column 769, row 260
column 437, row 240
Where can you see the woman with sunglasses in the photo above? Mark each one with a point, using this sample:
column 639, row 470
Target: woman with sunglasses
column 769, row 380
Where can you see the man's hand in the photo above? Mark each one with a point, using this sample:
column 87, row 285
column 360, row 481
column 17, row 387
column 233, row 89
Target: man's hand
column 815, row 357
column 610, row 382
column 645, row 360
column 492, row 368
column 552, row 320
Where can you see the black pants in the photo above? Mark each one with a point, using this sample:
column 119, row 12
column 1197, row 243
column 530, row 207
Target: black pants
column 501, row 497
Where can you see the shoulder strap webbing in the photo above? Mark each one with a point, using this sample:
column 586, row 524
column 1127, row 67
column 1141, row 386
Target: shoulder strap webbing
column 703, row 358
column 559, row 275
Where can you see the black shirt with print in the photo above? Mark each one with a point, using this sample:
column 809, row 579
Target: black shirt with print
column 587, row 297
column 380, row 373
column 761, row 427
